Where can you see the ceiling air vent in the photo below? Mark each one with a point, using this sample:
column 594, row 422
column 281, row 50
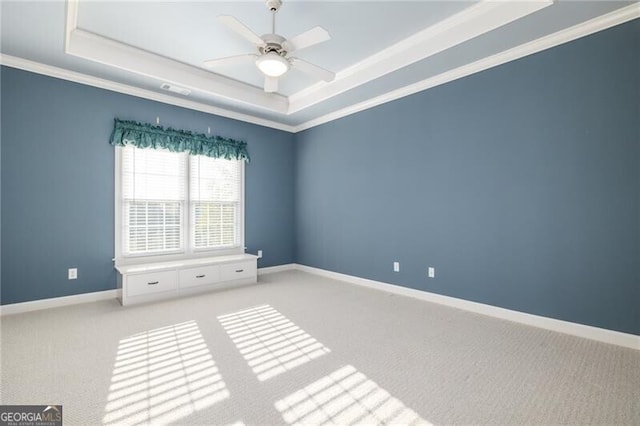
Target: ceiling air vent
column 175, row 89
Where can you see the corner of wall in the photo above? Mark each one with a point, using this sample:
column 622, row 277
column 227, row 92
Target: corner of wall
column 294, row 189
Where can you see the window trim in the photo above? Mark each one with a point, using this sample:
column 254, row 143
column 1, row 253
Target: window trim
column 189, row 252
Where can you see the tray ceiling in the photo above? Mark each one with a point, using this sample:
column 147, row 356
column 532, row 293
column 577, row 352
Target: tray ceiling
column 380, row 51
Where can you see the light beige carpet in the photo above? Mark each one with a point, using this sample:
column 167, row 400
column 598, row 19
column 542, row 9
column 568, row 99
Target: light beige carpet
column 301, row 349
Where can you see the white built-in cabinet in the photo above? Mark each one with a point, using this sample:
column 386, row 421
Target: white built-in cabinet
column 162, row 280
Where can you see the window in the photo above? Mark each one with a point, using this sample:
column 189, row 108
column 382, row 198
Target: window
column 215, row 201
column 177, row 204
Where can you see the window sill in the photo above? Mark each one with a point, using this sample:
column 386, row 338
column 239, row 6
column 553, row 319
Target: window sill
column 180, row 264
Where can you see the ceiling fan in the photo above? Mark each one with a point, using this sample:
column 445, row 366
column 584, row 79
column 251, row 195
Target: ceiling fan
column 273, row 50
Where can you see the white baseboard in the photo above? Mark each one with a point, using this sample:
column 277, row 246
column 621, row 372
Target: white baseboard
column 56, row 302
column 580, row 330
column 278, row 268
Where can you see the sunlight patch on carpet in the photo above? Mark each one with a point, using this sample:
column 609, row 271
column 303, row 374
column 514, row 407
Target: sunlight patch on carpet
column 162, row 376
column 269, row 342
column 345, row 396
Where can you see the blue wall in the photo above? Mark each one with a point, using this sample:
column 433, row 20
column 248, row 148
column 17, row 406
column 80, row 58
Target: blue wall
column 58, row 183
column 520, row 185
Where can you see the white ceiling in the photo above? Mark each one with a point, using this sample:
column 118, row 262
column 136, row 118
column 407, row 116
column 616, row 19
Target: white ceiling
column 380, row 50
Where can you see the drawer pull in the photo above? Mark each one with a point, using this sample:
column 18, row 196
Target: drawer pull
column 153, row 283
column 200, row 276
column 239, row 270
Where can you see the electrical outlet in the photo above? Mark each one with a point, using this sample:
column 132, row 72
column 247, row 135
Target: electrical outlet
column 396, row 266
column 73, row 273
column 431, row 272
column 259, row 254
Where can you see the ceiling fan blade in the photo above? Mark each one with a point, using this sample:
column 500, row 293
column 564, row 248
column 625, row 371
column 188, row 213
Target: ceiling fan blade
column 270, row 84
column 240, row 28
column 313, row 70
column 230, row 60
column 308, row 38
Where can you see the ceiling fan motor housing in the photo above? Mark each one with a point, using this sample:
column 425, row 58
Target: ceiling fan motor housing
column 272, row 43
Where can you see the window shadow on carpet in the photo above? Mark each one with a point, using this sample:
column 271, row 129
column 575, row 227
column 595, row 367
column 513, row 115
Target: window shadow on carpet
column 345, row 396
column 269, row 342
column 163, row 375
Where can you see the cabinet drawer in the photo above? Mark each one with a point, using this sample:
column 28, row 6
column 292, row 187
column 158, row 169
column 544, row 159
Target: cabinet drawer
column 153, row 282
column 236, row 271
column 199, row 276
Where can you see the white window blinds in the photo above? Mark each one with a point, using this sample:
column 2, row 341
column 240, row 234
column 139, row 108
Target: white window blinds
column 178, row 204
column 153, row 200
column 215, row 196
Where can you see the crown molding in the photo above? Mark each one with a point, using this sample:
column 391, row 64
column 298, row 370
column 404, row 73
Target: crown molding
column 76, row 77
column 594, row 25
column 93, row 47
column 583, row 29
column 71, row 22
column 471, row 22
column 96, row 48
column 463, row 26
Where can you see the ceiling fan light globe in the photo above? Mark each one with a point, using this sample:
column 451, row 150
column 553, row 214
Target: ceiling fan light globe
column 272, row 64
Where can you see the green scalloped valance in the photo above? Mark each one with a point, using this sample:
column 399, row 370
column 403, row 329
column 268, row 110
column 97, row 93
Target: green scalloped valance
column 143, row 135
